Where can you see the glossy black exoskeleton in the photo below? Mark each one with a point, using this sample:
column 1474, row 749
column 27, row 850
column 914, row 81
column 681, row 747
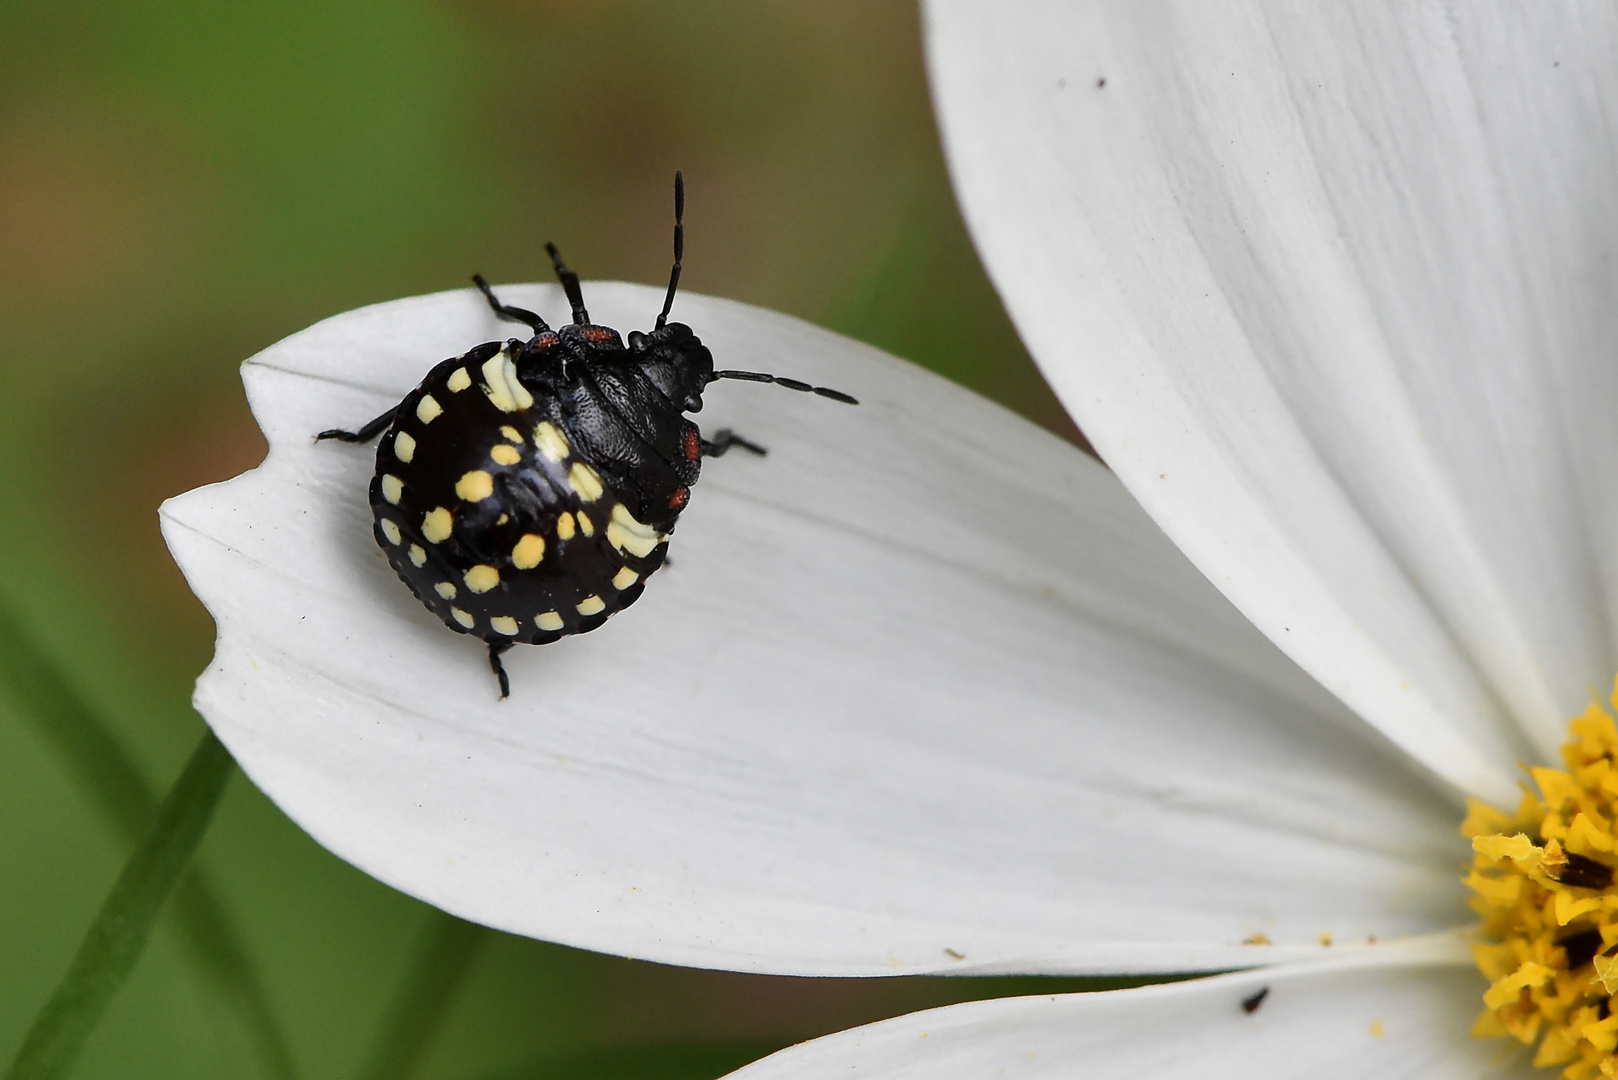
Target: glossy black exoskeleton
column 526, row 490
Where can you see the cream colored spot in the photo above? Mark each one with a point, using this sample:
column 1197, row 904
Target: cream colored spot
column 627, row 534
column 529, row 552
column 502, row 519
column 506, row 454
column 428, row 409
column 511, row 434
column 548, row 621
column 586, row 526
column 404, row 447
column 475, row 485
column 462, row 617
column 446, row 589
column 480, row 579
column 418, row 555
column 584, row 481
column 564, row 526
column 436, row 525
column 500, row 383
column 624, row 578
column 591, row 605
column 458, row 381
column 392, row 489
column 504, row 624
column 551, row 442
column 391, row 531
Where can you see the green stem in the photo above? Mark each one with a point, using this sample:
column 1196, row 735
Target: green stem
column 435, row 974
column 119, row 933
column 113, row 786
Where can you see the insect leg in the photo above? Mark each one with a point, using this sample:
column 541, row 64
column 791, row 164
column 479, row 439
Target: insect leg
column 724, row 440
column 364, row 434
column 570, row 285
column 506, row 311
column 499, row 669
column 790, row 384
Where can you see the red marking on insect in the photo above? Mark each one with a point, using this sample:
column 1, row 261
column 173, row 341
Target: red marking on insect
column 599, row 334
column 544, row 341
column 693, row 445
column 680, row 497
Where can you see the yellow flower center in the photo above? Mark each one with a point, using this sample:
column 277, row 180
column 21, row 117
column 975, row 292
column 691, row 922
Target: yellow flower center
column 1542, row 879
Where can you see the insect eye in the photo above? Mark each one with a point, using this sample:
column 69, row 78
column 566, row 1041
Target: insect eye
column 638, row 340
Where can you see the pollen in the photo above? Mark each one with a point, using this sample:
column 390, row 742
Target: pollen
column 1542, row 878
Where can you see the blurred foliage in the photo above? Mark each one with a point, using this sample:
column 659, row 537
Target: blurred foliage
column 183, row 183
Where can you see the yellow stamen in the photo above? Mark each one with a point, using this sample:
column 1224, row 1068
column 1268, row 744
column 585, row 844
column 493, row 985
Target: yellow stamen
column 1542, row 878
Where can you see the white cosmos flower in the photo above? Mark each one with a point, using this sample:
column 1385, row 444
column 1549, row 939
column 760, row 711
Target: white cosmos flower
column 925, row 689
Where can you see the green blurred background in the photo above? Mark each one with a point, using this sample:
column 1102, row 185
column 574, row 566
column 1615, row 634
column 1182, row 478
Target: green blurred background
column 183, row 183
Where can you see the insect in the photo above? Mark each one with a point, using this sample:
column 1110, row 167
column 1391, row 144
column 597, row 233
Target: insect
column 527, row 489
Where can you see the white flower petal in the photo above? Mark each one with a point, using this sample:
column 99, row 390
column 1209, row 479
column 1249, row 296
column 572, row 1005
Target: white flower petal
column 1323, row 1022
column 1331, row 290
column 923, row 690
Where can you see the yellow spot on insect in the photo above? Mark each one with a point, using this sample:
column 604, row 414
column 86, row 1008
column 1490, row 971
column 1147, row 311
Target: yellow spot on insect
column 475, row 485
column 564, row 526
column 404, row 446
column 550, row 620
column 584, row 481
column 624, row 578
column 392, row 488
column 501, row 385
column 481, row 578
column 462, row 617
column 459, row 380
column 446, row 589
column 551, row 442
column 586, row 526
column 591, row 605
column 504, row 624
column 625, row 533
column 511, row 434
column 436, row 525
column 506, row 454
column 418, row 555
column 529, row 552
column 391, row 531
column 428, row 409
column 502, row 519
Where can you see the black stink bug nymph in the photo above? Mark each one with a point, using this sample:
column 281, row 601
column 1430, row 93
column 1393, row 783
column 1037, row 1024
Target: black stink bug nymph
column 526, row 490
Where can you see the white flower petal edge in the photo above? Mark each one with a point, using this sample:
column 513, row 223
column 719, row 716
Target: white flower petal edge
column 1330, row 290
column 923, row 690
column 1406, row 1015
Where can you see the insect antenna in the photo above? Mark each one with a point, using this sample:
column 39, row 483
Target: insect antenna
column 679, row 247
column 790, row 384
column 570, row 285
